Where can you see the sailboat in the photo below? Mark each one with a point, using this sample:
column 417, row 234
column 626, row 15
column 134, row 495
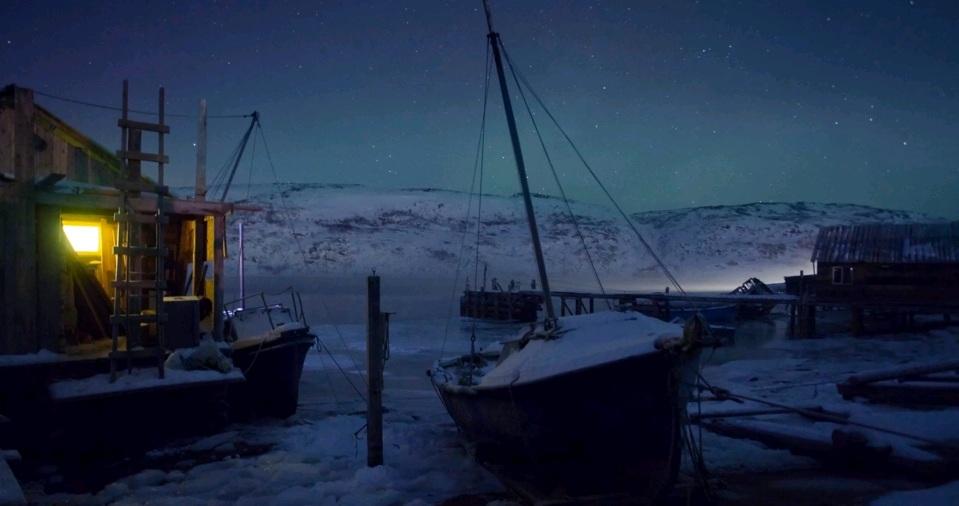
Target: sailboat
column 575, row 406
column 268, row 342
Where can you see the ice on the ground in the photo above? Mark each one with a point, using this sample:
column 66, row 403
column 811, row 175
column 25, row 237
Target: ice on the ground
column 317, row 463
column 43, row 356
column 945, row 495
column 583, row 341
column 314, row 458
column 139, row 380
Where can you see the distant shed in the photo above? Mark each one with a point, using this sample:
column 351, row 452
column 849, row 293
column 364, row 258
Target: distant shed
column 909, row 265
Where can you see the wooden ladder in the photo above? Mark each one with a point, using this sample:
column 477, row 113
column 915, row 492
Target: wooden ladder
column 135, row 284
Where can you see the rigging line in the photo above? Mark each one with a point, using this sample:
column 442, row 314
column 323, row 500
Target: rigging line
column 219, row 178
column 343, row 372
column 669, row 275
column 299, row 246
column 249, row 179
column 481, row 160
column 469, row 205
column 150, row 113
column 562, row 192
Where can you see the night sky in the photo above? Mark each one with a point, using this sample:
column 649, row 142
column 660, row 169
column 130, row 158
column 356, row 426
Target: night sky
column 674, row 103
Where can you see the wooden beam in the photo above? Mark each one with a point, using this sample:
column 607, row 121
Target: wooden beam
column 109, row 199
column 200, row 192
column 141, row 125
column 49, row 180
column 50, row 250
column 219, row 254
column 143, row 157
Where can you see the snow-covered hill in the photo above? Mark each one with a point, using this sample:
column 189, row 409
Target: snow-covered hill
column 345, row 230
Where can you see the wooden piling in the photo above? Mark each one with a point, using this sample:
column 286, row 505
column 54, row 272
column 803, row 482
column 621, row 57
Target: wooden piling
column 374, row 364
column 857, row 321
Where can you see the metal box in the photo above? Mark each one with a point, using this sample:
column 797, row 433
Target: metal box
column 183, row 321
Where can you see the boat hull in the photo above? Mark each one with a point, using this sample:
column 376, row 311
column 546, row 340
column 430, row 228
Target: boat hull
column 273, row 371
column 613, row 428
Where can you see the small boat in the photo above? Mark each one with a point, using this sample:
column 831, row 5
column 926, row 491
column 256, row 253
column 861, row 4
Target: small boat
column 586, row 405
column 594, row 405
column 269, row 344
column 753, row 286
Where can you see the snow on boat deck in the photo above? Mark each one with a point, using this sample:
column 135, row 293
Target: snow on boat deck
column 585, row 341
column 139, row 380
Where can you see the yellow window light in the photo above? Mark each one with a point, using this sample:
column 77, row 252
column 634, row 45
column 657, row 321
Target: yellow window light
column 84, row 238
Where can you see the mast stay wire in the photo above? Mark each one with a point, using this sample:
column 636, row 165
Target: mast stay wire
column 329, row 314
column 477, row 168
column 552, row 168
column 669, row 275
column 148, row 113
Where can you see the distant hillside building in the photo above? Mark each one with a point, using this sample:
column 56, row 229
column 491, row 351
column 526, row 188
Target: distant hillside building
column 913, row 267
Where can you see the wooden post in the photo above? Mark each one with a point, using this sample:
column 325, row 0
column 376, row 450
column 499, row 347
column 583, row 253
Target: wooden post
column 792, row 320
column 857, row 321
column 49, row 271
column 219, row 251
column 374, row 368
column 200, row 192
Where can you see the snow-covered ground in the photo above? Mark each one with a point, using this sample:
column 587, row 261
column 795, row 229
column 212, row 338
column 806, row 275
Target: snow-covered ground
column 413, row 238
column 318, row 456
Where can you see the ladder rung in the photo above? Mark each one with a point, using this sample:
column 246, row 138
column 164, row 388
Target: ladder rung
column 137, row 318
column 140, row 251
column 141, row 186
column 150, row 284
column 141, row 218
column 145, row 157
column 140, row 125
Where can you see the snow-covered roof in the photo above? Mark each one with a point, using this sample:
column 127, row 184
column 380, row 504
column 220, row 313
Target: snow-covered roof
column 585, row 341
column 909, row 243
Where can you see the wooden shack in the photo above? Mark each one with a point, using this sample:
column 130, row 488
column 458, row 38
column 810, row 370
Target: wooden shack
column 64, row 201
column 59, row 196
column 909, row 267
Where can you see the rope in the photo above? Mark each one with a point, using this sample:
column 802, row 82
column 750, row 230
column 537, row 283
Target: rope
column 609, row 196
column 722, row 393
column 477, row 168
column 149, row 113
column 344, row 373
column 290, row 220
column 562, row 191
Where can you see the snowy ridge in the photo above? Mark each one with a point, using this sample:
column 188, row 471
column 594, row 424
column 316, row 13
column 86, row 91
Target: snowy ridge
column 349, row 229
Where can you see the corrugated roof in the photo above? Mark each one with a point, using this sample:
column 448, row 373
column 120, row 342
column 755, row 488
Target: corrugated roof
column 909, row 243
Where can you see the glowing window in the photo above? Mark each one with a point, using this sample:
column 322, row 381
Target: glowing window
column 84, row 238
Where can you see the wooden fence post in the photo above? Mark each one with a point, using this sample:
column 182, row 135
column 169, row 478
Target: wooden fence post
column 374, row 364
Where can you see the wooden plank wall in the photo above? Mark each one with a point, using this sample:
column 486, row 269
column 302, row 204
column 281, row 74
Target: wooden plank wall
column 50, row 267
column 218, row 256
column 19, row 241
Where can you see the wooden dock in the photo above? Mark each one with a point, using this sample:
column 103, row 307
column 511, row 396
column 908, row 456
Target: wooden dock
column 523, row 305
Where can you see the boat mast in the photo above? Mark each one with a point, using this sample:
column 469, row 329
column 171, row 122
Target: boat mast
column 520, row 168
